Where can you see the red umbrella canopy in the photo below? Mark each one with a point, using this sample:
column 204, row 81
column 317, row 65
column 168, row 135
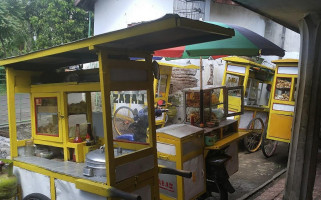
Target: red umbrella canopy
column 244, row 43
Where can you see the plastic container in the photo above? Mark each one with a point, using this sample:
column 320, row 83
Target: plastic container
column 29, row 148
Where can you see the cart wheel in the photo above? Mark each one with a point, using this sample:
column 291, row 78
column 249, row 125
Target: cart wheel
column 123, row 118
column 36, row 196
column 220, row 194
column 268, row 146
column 253, row 140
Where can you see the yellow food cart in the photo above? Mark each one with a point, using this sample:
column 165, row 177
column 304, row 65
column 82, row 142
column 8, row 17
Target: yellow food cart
column 162, row 88
column 73, row 158
column 282, row 105
column 210, row 152
column 256, row 79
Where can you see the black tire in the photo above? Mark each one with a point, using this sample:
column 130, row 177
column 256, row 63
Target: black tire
column 252, row 141
column 222, row 193
column 36, row 196
column 268, row 146
column 216, row 191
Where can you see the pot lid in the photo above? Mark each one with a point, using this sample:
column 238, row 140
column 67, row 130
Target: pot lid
column 97, row 155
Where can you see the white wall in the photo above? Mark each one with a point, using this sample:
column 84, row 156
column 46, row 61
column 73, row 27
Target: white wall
column 112, row 15
column 237, row 15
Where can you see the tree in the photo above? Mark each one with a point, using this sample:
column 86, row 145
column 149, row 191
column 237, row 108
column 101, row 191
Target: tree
column 29, row 25
column 11, row 24
column 54, row 22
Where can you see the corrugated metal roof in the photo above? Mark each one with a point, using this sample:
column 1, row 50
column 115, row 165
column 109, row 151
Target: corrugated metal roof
column 166, row 32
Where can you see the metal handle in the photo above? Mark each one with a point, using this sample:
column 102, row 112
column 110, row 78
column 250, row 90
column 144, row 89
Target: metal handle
column 113, row 192
column 166, row 170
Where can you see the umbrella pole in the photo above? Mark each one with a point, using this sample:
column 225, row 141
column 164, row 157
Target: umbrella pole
column 201, row 95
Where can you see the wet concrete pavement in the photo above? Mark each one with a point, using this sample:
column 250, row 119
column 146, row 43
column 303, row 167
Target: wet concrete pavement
column 255, row 171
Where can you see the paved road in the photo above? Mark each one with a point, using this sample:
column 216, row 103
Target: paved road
column 22, row 102
column 255, row 169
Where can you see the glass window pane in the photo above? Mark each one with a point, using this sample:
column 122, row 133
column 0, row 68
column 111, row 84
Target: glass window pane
column 282, row 89
column 46, row 116
column 130, row 121
column 234, row 80
column 161, row 86
column 77, row 113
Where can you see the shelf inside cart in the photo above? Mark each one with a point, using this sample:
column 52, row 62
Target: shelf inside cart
column 226, row 141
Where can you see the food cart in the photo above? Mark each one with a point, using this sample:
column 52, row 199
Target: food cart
column 282, row 105
column 256, row 79
column 190, row 147
column 66, row 166
column 162, row 88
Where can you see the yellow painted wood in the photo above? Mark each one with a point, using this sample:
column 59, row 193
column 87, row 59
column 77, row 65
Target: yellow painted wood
column 92, row 187
column 280, row 122
column 240, row 60
column 285, row 61
column 21, row 143
column 226, row 141
column 66, row 87
column 48, row 143
column 280, row 127
column 189, row 66
column 60, row 129
column 11, row 112
column 52, row 188
column 65, row 125
column 104, row 75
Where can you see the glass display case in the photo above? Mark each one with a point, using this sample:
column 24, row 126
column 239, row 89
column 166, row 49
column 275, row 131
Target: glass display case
column 211, row 103
column 218, row 103
column 130, row 121
column 282, row 89
column 46, row 110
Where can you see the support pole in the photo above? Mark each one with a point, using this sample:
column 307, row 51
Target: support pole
column 306, row 127
column 201, row 94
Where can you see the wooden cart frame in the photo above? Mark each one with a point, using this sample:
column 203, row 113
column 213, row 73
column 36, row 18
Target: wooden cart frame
column 112, row 51
column 244, row 72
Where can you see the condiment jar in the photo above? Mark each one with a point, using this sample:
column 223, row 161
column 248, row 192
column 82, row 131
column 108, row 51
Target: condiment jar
column 29, row 148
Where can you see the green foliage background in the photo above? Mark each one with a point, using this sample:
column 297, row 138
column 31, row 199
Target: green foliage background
column 30, row 25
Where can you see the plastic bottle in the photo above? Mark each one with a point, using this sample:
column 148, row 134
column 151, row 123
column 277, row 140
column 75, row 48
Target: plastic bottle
column 77, row 138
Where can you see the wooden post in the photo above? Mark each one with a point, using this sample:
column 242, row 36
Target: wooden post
column 201, row 94
column 306, row 127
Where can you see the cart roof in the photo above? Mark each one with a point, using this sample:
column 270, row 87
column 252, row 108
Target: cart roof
column 179, row 130
column 285, row 61
column 166, row 32
column 178, row 65
column 240, row 60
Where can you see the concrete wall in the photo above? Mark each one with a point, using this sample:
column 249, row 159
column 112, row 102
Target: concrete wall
column 237, row 15
column 112, row 15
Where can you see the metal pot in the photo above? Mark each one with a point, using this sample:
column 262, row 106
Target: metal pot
column 95, row 163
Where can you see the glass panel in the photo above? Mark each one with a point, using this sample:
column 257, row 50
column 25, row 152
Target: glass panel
column 22, row 104
column 234, row 100
column 234, row 80
column 130, row 121
column 46, row 116
column 282, row 89
column 77, row 113
column 264, row 94
column 161, row 86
